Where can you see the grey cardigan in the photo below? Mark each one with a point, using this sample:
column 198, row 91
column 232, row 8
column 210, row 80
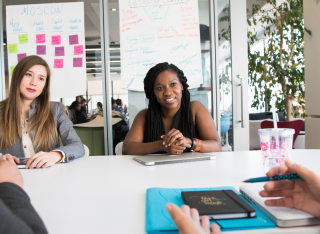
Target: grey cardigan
column 72, row 146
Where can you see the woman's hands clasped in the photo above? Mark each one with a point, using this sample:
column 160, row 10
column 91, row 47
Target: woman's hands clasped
column 43, row 159
column 175, row 143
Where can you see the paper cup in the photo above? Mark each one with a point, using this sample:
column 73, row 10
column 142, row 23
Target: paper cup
column 276, row 146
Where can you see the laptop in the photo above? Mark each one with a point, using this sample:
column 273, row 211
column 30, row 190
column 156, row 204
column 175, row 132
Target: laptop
column 281, row 216
column 159, row 159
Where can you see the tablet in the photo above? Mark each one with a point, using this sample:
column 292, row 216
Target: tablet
column 159, row 159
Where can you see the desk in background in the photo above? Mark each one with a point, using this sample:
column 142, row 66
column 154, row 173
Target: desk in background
column 107, row 194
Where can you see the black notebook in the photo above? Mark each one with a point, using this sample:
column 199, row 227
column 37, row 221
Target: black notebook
column 219, row 204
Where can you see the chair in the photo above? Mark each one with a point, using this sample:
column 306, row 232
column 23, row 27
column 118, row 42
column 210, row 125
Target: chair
column 225, row 125
column 86, row 151
column 118, row 149
column 297, row 125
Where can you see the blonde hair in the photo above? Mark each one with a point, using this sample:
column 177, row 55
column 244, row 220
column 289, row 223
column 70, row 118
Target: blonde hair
column 42, row 126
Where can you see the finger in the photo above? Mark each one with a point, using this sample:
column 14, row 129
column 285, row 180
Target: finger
column 282, row 202
column 280, row 170
column 35, row 161
column 304, row 173
column 174, row 137
column 176, row 214
column 16, row 159
column 32, row 158
column 47, row 164
column 215, row 229
column 171, row 134
column 277, row 193
column 205, row 224
column 9, row 158
column 194, row 215
column 186, row 210
column 276, row 185
column 42, row 162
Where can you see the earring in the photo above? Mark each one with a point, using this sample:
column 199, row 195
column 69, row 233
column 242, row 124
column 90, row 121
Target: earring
column 182, row 88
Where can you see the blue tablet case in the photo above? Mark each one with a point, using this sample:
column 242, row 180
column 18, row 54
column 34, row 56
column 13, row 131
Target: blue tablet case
column 158, row 220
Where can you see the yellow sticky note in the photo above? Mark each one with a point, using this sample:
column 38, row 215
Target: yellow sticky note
column 11, row 69
column 13, row 48
column 23, row 39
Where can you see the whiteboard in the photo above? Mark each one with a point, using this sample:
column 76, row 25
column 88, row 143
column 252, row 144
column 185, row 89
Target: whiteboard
column 156, row 31
column 54, row 32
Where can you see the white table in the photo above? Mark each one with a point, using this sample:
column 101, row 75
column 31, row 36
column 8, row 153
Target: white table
column 107, row 194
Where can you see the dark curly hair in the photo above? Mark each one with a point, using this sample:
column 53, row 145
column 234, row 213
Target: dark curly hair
column 153, row 119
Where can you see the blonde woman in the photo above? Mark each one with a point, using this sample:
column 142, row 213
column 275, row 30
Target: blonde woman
column 30, row 125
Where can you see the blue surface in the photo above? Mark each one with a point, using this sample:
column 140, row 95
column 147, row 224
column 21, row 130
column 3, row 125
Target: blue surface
column 159, row 220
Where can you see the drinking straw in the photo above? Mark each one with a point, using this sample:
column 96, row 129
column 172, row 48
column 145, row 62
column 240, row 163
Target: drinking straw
column 274, row 116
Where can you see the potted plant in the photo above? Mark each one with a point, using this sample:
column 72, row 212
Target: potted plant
column 281, row 65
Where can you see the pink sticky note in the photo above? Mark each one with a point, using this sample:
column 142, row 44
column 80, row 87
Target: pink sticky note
column 58, row 63
column 78, row 50
column 77, row 62
column 59, row 51
column 41, row 50
column 73, row 39
column 21, row 56
column 56, row 40
column 41, row 38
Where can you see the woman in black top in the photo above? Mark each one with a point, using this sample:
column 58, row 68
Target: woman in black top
column 171, row 123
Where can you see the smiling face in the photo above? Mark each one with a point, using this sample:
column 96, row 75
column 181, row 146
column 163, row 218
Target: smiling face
column 168, row 90
column 33, row 82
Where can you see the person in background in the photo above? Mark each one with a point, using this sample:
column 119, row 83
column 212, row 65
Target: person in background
column 171, row 123
column 83, row 103
column 75, row 113
column 119, row 107
column 17, row 215
column 113, row 103
column 30, row 124
column 299, row 194
column 99, row 107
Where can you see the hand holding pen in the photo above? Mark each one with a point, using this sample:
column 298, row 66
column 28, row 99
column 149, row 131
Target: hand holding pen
column 299, row 194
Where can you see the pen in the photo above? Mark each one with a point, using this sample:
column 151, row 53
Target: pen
column 277, row 177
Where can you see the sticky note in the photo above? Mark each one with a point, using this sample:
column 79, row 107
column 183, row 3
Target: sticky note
column 41, row 38
column 21, row 56
column 78, row 50
column 58, row 63
column 73, row 39
column 23, row 38
column 56, row 40
column 77, row 62
column 11, row 69
column 59, row 51
column 13, row 48
column 41, row 50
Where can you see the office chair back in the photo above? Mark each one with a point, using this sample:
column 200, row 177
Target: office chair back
column 297, row 125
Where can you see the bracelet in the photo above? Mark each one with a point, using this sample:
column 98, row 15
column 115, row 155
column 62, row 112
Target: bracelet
column 196, row 145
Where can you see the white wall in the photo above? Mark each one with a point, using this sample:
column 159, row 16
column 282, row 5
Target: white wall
column 311, row 10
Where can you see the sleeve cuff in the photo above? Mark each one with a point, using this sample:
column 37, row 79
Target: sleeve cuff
column 63, row 160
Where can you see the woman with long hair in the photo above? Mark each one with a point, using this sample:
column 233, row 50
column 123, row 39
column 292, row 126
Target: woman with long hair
column 30, row 125
column 171, row 123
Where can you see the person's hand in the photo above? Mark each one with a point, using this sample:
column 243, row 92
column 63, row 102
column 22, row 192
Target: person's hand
column 175, row 137
column 10, row 158
column 188, row 222
column 299, row 194
column 43, row 159
column 9, row 171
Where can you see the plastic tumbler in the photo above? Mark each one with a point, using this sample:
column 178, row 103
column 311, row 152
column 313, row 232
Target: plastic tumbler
column 276, row 146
